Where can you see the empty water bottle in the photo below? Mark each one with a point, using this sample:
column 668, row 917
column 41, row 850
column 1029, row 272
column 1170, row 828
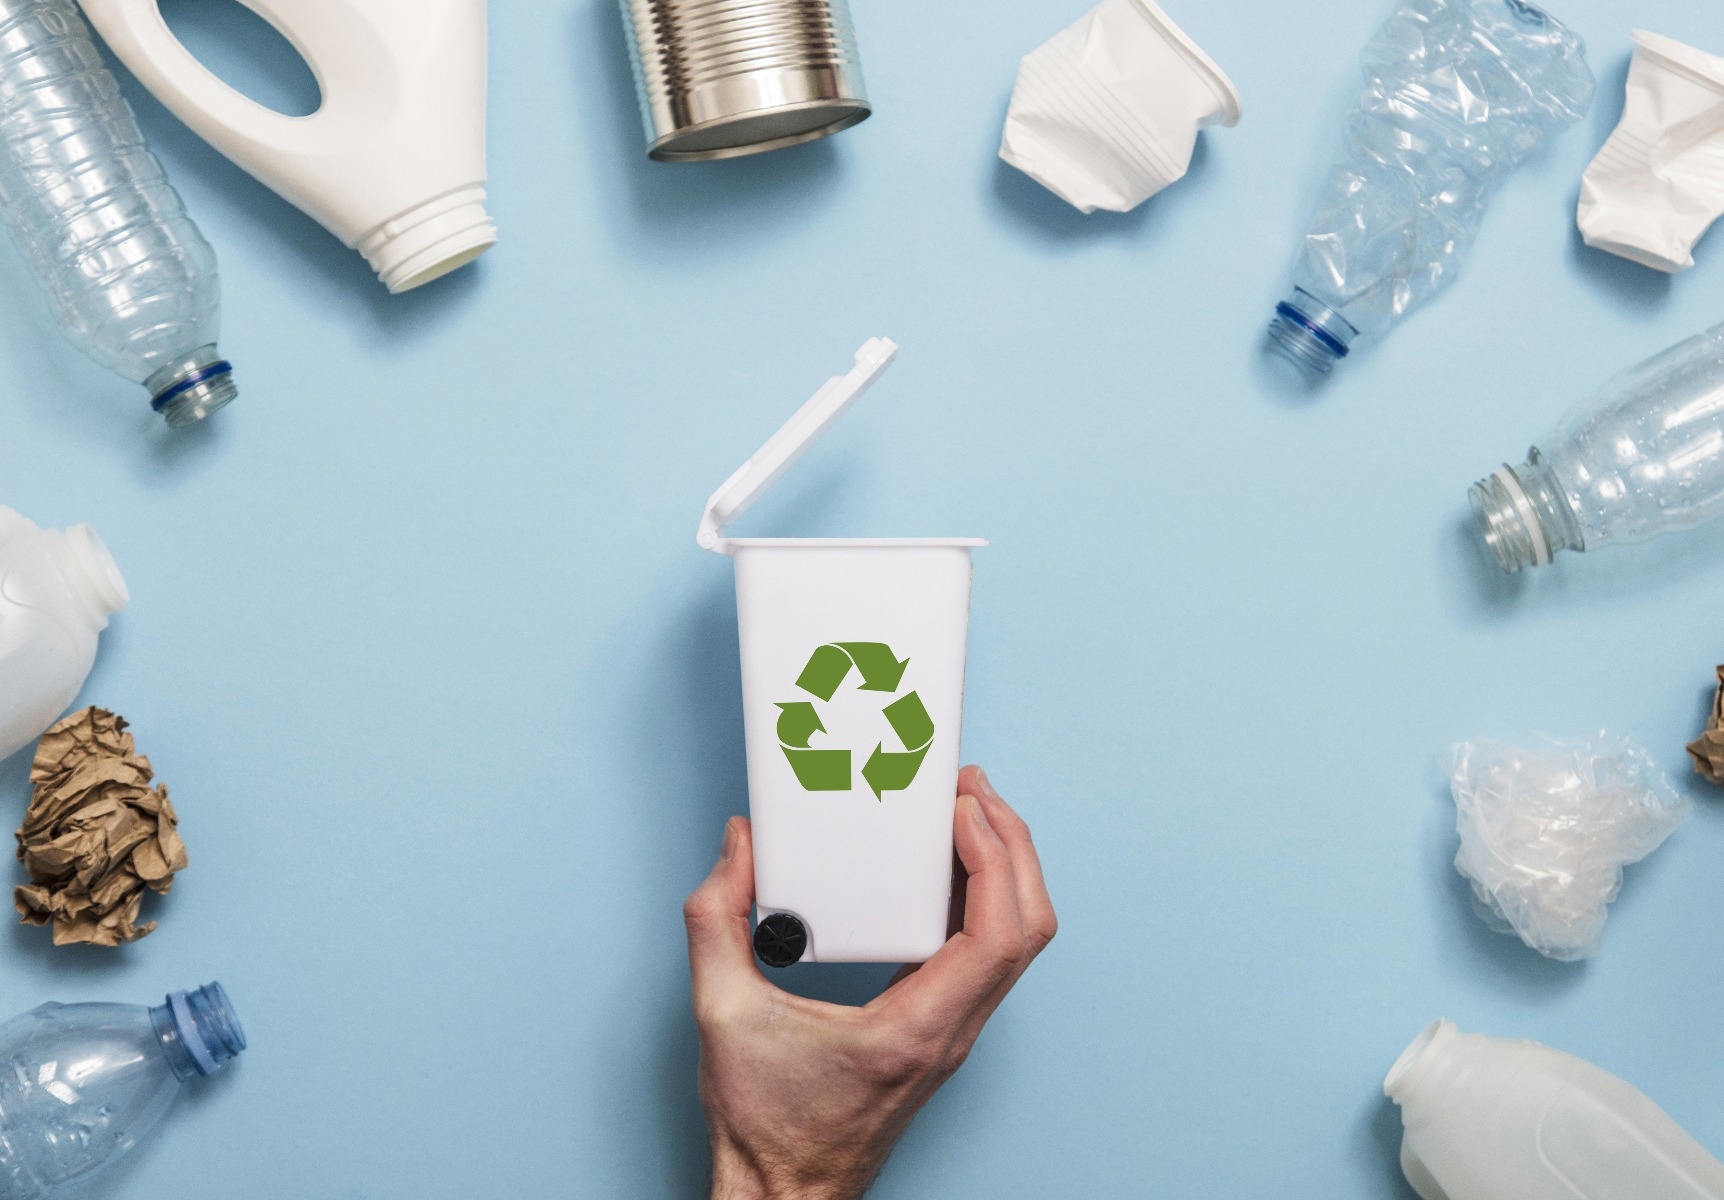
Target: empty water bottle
column 1457, row 93
column 1644, row 456
column 81, row 1084
column 129, row 277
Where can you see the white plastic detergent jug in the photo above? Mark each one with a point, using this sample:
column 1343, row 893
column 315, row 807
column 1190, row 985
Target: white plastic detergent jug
column 57, row 591
column 393, row 160
column 853, row 699
column 1499, row 1119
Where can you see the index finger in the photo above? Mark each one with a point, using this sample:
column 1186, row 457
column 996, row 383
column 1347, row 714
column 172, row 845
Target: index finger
column 965, row 974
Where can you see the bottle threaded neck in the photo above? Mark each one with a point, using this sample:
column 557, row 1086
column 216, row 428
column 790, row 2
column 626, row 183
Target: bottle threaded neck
column 1310, row 334
column 198, row 1031
column 95, row 573
column 1416, row 1059
column 192, row 387
column 1510, row 522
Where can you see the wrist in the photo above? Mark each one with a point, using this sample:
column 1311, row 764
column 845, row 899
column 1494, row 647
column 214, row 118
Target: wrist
column 736, row 1177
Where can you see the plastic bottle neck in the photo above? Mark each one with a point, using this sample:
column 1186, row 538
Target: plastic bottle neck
column 92, row 573
column 1418, row 1061
column 197, row 1031
column 192, row 387
column 1312, row 334
column 1525, row 514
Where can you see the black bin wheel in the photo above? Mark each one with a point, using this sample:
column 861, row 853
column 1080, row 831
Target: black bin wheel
column 780, row 940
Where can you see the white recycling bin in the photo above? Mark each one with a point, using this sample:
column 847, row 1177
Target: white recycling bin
column 853, row 700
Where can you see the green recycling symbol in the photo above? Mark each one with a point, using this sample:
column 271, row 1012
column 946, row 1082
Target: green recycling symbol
column 823, row 770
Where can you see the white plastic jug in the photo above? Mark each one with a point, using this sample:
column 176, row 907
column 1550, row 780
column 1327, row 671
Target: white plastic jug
column 393, row 160
column 853, row 701
column 1500, row 1119
column 57, row 591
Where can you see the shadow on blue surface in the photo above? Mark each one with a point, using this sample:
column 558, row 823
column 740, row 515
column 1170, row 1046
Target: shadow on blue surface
column 1379, row 1138
column 1281, row 379
column 1488, row 589
column 697, row 208
column 698, row 780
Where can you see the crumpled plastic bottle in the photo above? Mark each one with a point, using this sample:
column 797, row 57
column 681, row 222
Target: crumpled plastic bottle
column 1457, row 94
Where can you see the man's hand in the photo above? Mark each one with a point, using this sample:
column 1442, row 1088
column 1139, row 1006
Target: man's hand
column 805, row 1099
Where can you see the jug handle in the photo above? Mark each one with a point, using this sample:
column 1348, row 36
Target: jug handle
column 139, row 36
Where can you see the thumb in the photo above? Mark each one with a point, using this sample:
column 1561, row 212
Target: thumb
column 719, row 943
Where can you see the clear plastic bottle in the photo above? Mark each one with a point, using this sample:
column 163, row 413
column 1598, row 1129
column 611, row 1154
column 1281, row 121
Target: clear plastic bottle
column 81, row 1084
column 1457, row 93
column 1644, row 456
column 129, row 277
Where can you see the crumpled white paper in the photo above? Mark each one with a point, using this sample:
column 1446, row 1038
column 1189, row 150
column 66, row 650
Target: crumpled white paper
column 1658, row 183
column 1545, row 833
column 1106, row 114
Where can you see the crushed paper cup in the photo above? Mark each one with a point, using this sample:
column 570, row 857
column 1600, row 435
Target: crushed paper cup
column 1658, row 183
column 1106, row 114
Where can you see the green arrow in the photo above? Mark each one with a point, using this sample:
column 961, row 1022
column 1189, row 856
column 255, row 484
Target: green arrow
column 891, row 772
column 826, row 669
column 821, row 770
column 910, row 721
column 880, row 668
column 797, row 722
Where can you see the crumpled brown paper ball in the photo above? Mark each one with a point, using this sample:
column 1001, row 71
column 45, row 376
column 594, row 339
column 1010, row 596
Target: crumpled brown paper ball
column 1707, row 750
column 96, row 834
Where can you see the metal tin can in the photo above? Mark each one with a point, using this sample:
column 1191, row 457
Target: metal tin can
column 725, row 78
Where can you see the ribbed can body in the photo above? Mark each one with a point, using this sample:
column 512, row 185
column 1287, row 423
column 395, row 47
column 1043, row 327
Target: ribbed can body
column 131, row 280
column 724, row 78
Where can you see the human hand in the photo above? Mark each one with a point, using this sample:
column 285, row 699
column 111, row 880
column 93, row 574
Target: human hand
column 805, row 1099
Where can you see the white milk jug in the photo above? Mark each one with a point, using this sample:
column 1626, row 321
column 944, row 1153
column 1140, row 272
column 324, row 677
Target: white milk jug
column 57, row 591
column 853, row 699
column 1500, row 1119
column 393, row 160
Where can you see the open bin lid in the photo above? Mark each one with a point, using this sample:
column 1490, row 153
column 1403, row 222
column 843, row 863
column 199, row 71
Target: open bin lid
column 738, row 493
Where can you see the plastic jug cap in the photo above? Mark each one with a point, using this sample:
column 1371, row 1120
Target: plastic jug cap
column 782, row 449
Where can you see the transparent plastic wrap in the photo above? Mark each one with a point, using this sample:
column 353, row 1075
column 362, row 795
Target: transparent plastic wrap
column 1457, row 94
column 1546, row 832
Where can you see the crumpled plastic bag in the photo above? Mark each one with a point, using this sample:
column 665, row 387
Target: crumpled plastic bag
column 1545, row 833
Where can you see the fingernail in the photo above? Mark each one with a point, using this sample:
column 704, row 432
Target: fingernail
column 987, row 785
column 727, row 851
column 976, row 813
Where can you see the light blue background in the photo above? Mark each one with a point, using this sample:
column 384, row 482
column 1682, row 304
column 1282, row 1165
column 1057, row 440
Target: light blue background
column 448, row 698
